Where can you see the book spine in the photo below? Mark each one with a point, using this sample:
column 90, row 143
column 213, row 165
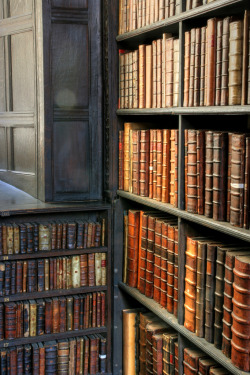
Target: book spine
column 197, row 66
column 176, row 73
column 186, row 68
column 165, row 165
column 235, row 62
column 170, row 268
column 144, row 163
column 200, row 289
column 218, row 71
column 149, row 70
column 159, row 155
column 142, row 75
column 225, row 61
column 133, row 247
column 219, row 294
column 210, row 288
column 211, row 61
column 209, row 174
column 203, row 63
column 157, row 261
column 247, row 185
column 169, row 71
column 164, row 264
column 135, row 161
column 149, row 288
column 192, row 68
column 144, row 234
column 192, row 201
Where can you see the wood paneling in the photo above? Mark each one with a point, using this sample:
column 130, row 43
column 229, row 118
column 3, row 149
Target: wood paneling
column 20, row 7
column 24, row 150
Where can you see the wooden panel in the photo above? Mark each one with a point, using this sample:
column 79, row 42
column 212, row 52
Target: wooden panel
column 23, row 76
column 70, row 3
column 2, row 77
column 20, row 7
column 24, row 156
column 70, row 65
column 71, row 157
column 3, row 149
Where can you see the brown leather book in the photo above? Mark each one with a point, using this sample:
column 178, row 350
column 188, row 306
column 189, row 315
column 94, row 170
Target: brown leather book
column 174, row 167
column 10, row 238
column 121, row 103
column 209, row 174
column 169, row 339
column 142, row 76
column 152, row 329
column 165, row 165
column 62, row 314
column 145, row 318
column 63, row 357
column 149, row 58
column 218, row 70
column 237, row 179
column 247, row 185
column 164, row 264
column 55, row 315
column 48, row 316
column 149, row 286
column 150, row 179
column 176, row 250
column 130, row 343
column 191, row 360
column 144, row 163
column 192, row 201
column 130, row 80
column 91, row 269
column 220, row 142
column 121, row 160
column 169, row 71
column 135, row 83
column 176, row 75
column 125, row 246
column 197, row 67
column 154, row 74
column 126, row 80
column 225, row 61
column 154, row 162
column 157, row 353
column 157, row 260
column 200, row 288
column 163, row 70
column 135, row 162
column 211, row 60
column 186, row 68
column 83, row 270
column 159, row 157
column 200, row 171
column 192, row 68
column 133, row 247
column 41, row 359
column 235, row 62
column 245, row 57
column 229, row 158
column 170, row 266
column 218, row 371
column 205, row 364
column 202, row 66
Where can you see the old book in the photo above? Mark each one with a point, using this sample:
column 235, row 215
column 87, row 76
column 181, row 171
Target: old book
column 225, row 61
column 40, row 317
column 44, row 237
column 149, row 286
column 205, row 364
column 157, row 353
column 19, row 277
column 10, row 238
column 176, row 75
column 26, row 319
column 174, row 167
column 152, row 329
column 103, row 269
column 245, row 57
column 176, row 250
column 130, row 80
column 200, row 171
column 148, row 100
column 121, row 159
column 130, row 343
column 55, row 315
column 142, row 76
column 200, row 288
column 135, row 83
column 211, row 60
column 98, row 269
column 159, row 158
column 62, row 314
column 237, row 179
column 135, row 158
column 186, row 68
column 235, row 62
column 63, row 356
column 191, row 360
column 91, row 269
column 154, row 161
column 126, row 80
column 192, row 68
column 125, row 246
column 165, row 165
column 154, row 74
column 157, row 261
column 170, row 266
column 121, row 103
column 143, row 257
column 192, row 201
column 133, row 247
column 247, row 185
column 144, row 163
column 202, row 65
column 209, row 174
column 169, row 71
column 229, row 158
column 197, row 67
column 50, row 357
column 33, row 318
column 169, row 339
column 218, row 70
column 220, row 143
column 145, row 318
column 48, row 316
column 164, row 264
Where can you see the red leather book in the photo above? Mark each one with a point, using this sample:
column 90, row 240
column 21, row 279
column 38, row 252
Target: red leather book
column 10, row 320
column 55, row 315
column 94, row 310
column 176, row 243
column 165, row 166
column 205, row 364
column 48, row 316
column 191, row 359
column 41, row 359
column 84, row 269
column 144, row 163
column 174, row 167
column 121, row 160
column 133, row 247
column 62, row 314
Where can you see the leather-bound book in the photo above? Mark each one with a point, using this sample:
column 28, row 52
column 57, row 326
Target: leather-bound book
column 10, row 238
column 44, row 237
column 63, row 357
column 130, row 80
column 16, row 239
column 170, row 266
column 91, row 269
column 135, row 83
column 35, row 359
column 19, row 318
column 135, row 134
column 229, row 166
column 164, row 264
column 103, row 269
column 192, row 68
column 176, row 75
column 126, row 79
column 142, row 76
column 157, row 261
column 150, row 178
column 247, row 185
column 154, row 162
column 4, row 240
column 169, row 71
column 70, row 314
column 76, row 277
column 192, row 201
column 93, row 351
column 235, row 62
column 90, row 310
column 10, row 320
column 102, row 354
column 200, row 288
column 2, row 273
column 13, row 278
column 220, row 141
column 161, row 9
column 7, row 278
column 174, row 167
column 55, row 315
column 72, row 356
column 165, row 165
column 40, row 317
column 58, row 235
column 163, row 70
column 40, row 275
column 69, row 272
column 186, row 68
column 47, row 274
column 218, row 371
column 33, row 318
column 144, row 163
column 26, row 319
column 76, row 313
column 32, row 276
column 157, row 353
column 218, row 70
column 125, row 246
column 64, row 235
column 13, row 362
column 24, row 276
column 202, row 65
column 145, row 318
column 78, row 355
column 86, row 355
column 3, row 362
column 133, row 247
column 148, row 100
column 71, row 236
column 51, row 357
column 200, row 171
column 176, row 358
column 205, row 364
column 1, row 239
column 48, row 315
column 62, row 314
column 143, row 257
column 197, row 67
column 154, row 74
column 237, row 180
column 176, row 270
column 209, row 174
column 159, row 155
column 121, row 160
column 53, row 236
column 86, row 312
column 149, row 287
column 94, row 307
column 152, row 329
column 225, row 61
column 27, row 359
column 19, row 350
column 168, row 355
column 130, row 344
column 191, row 360
column 211, row 60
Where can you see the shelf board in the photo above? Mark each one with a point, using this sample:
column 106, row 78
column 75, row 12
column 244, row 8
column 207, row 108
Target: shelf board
column 53, row 293
column 154, row 30
column 54, row 253
column 50, row 337
column 214, row 110
column 243, row 234
column 172, row 321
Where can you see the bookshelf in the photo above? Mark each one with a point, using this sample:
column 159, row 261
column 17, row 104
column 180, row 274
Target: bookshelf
column 228, row 118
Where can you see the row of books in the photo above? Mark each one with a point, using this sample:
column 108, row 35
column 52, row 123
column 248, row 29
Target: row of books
column 32, row 237
column 149, row 76
column 197, row 362
column 148, row 162
column 151, row 256
column 51, row 315
column 134, row 14
column 217, row 175
column 150, row 346
column 52, row 273
column 217, row 282
column 82, row 355
column 217, row 63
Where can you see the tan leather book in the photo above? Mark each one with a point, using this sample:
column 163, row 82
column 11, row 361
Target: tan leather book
column 126, row 80
column 152, row 11
column 158, row 72
column 144, row 162
column 245, row 57
column 130, row 343
column 76, row 280
column 192, row 67
column 163, row 71
column 161, row 9
column 218, row 72
column 225, row 61
column 186, row 67
column 149, row 76
column 98, row 269
column 154, row 74
column 203, row 63
column 10, row 239
column 153, row 151
column 156, row 10
column 165, row 165
column 16, row 239
column 130, row 80
column 32, row 318
column 192, row 195
column 69, row 273
column 121, row 103
column 176, row 73
column 197, row 66
column 211, row 61
column 235, row 62
column 142, row 76
column 147, row 12
column 169, row 71
column 104, row 268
